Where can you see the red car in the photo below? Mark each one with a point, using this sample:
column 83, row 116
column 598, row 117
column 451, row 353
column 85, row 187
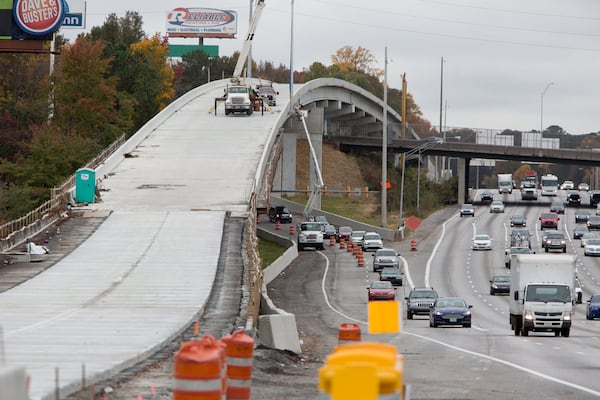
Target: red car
column 344, row 232
column 381, row 290
column 549, row 220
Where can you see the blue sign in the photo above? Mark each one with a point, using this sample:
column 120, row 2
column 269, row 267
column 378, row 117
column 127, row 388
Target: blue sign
column 73, row 20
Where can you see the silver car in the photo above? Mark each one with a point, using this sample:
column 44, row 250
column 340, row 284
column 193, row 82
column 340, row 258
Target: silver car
column 385, row 258
column 372, row 241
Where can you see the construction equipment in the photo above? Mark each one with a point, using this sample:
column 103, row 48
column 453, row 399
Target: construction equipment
column 318, row 187
column 240, row 97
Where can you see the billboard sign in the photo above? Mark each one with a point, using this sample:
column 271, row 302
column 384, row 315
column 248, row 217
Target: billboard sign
column 74, row 15
column 39, row 17
column 201, row 22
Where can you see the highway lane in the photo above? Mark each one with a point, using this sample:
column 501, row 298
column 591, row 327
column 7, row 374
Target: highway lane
column 442, row 362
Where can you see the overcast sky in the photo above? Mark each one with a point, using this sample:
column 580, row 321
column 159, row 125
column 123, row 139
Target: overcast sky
column 499, row 55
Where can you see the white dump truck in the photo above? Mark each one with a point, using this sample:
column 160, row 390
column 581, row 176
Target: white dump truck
column 542, row 293
column 505, row 183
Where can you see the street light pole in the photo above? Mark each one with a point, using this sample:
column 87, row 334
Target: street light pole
column 542, row 111
column 384, row 149
column 405, row 155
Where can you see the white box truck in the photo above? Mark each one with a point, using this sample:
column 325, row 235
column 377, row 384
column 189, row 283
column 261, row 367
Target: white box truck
column 505, row 183
column 542, row 293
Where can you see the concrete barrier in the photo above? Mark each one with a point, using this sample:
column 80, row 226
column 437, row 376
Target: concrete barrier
column 279, row 331
column 13, row 383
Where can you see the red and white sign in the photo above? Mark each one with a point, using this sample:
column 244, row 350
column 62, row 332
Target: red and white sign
column 201, row 22
column 39, row 17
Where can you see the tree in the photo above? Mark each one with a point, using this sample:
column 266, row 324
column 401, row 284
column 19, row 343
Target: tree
column 86, row 99
column 153, row 85
column 359, row 60
column 194, row 71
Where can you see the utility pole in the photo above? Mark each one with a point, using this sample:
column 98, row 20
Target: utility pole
column 441, row 102
column 384, row 148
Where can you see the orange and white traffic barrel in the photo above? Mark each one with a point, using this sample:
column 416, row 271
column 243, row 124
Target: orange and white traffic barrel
column 198, row 370
column 277, row 224
column 331, row 241
column 292, row 229
column 240, row 354
column 348, row 333
column 342, row 243
column 350, row 247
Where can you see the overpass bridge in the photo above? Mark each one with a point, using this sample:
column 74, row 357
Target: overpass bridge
column 169, row 194
column 464, row 152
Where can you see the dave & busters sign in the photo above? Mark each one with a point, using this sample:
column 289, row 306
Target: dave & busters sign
column 39, row 17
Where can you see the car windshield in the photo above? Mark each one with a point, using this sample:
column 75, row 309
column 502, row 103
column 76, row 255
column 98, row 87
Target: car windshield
column 520, row 250
column 482, row 237
column 423, row 294
column 372, row 236
column 358, row 234
column 594, row 219
column 310, row 226
column 467, row 206
column 497, row 203
column 381, row 285
column 595, row 298
column 548, row 216
column 385, row 253
column 516, row 217
column 555, row 236
column 593, row 242
column 390, row 271
column 451, row 303
column 345, row 229
column 502, row 278
column 548, row 293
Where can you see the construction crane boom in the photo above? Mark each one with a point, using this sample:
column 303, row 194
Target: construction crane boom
column 239, row 67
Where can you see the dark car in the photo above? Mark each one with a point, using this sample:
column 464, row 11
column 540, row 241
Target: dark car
column 557, row 207
column 384, row 258
column 467, row 209
column 391, row 274
column 549, row 220
column 593, row 222
column 329, row 231
column 574, row 199
column 450, row 311
column 594, row 197
column 582, row 216
column 487, row 196
column 280, row 213
column 518, row 220
column 500, row 284
column 419, row 301
column 592, row 310
column 555, row 241
column 579, row 231
column 381, row 290
column 344, row 232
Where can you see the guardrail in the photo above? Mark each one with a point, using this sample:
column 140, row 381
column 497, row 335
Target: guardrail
column 15, row 231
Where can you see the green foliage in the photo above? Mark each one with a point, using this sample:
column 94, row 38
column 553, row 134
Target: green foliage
column 17, row 201
column 269, row 252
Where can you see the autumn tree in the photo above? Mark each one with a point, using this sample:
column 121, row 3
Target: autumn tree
column 359, row 60
column 153, row 84
column 86, row 99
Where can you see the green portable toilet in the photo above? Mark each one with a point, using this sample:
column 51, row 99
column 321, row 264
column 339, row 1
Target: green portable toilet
column 85, row 185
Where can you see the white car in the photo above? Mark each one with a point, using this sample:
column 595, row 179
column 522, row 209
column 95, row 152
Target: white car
column 567, row 185
column 497, row 206
column 587, row 236
column 357, row 237
column 592, row 247
column 583, row 187
column 482, row 242
column 372, row 241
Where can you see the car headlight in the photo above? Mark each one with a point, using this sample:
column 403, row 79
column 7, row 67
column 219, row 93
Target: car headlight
column 567, row 316
column 495, row 286
column 439, row 313
column 562, row 242
column 302, row 236
column 467, row 313
column 528, row 315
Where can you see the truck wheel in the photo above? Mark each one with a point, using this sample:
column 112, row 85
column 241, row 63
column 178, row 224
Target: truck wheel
column 525, row 331
column 467, row 325
column 409, row 315
column 546, row 249
column 300, row 247
column 565, row 332
column 564, row 249
column 249, row 112
column 556, row 333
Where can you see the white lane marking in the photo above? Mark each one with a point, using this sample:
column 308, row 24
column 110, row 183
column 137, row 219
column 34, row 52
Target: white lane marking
column 509, row 364
column 327, row 298
column 439, row 242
